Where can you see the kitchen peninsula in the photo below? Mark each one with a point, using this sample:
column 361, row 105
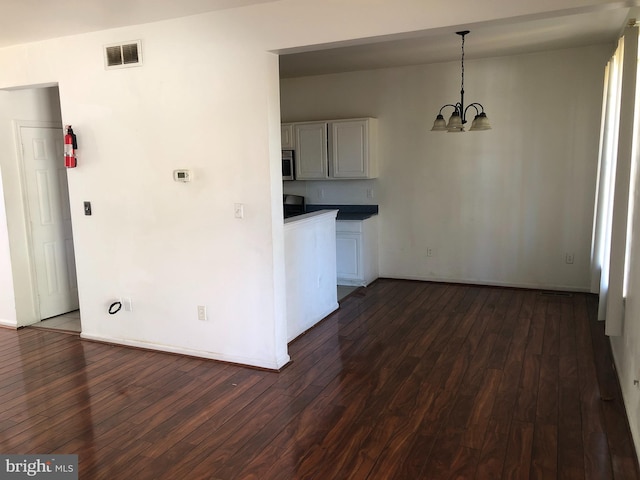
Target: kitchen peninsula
column 356, row 243
column 310, row 268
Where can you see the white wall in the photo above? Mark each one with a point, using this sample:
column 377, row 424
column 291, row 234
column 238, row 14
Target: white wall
column 169, row 246
column 206, row 99
column 16, row 299
column 8, row 315
column 496, row 207
column 626, row 348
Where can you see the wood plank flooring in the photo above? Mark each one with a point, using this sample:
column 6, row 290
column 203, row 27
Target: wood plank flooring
column 407, row 380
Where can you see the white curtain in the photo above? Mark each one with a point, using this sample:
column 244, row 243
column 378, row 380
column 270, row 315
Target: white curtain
column 612, row 209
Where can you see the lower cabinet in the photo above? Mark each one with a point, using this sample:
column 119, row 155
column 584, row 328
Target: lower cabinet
column 357, row 251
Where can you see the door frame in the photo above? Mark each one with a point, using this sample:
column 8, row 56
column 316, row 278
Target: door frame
column 35, row 315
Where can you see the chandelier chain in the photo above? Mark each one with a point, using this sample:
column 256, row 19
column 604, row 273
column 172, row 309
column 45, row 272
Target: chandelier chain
column 462, row 66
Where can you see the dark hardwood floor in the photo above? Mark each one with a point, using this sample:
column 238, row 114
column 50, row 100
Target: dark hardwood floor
column 408, row 380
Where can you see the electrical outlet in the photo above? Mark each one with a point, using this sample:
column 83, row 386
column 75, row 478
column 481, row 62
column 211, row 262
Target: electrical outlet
column 369, row 192
column 127, row 305
column 238, row 210
column 202, row 313
column 429, row 252
column 568, row 258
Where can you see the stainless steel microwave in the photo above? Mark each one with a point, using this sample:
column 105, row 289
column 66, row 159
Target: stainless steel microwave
column 287, row 165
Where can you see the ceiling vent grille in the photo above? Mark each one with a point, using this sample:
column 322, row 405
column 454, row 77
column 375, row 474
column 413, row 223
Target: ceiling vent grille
column 123, row 55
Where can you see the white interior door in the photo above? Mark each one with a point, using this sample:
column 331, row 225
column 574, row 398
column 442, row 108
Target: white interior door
column 50, row 215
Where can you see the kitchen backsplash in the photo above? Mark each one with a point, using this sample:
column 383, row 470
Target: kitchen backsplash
column 348, row 192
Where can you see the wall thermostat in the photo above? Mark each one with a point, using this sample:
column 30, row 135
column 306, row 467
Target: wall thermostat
column 182, row 175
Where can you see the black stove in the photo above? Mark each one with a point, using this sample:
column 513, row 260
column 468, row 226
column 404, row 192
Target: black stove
column 293, row 205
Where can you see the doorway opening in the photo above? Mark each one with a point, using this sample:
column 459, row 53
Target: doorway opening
column 44, row 270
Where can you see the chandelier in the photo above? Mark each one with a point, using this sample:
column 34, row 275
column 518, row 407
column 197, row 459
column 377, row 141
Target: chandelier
column 459, row 116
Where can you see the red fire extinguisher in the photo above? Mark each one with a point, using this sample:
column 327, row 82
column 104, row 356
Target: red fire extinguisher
column 70, row 146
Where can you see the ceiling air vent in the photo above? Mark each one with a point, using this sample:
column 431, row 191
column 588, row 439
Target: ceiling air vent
column 123, row 55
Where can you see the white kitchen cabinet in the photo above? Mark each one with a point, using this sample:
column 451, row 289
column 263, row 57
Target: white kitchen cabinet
column 352, row 154
column 336, row 149
column 311, row 151
column 286, row 135
column 357, row 251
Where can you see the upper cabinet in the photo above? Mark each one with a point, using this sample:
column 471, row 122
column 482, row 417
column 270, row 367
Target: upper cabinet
column 335, row 149
column 311, row 150
column 353, row 153
column 286, row 131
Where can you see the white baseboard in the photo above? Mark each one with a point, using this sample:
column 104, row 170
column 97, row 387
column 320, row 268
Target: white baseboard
column 253, row 362
column 492, row 283
column 321, row 317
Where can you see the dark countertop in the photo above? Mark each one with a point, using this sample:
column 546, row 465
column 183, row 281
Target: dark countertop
column 347, row 212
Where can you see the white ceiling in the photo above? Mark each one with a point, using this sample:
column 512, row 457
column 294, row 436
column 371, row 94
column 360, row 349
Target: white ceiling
column 24, row 21
column 488, row 39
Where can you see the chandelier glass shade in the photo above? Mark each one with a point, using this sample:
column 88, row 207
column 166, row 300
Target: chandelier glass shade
column 458, row 118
